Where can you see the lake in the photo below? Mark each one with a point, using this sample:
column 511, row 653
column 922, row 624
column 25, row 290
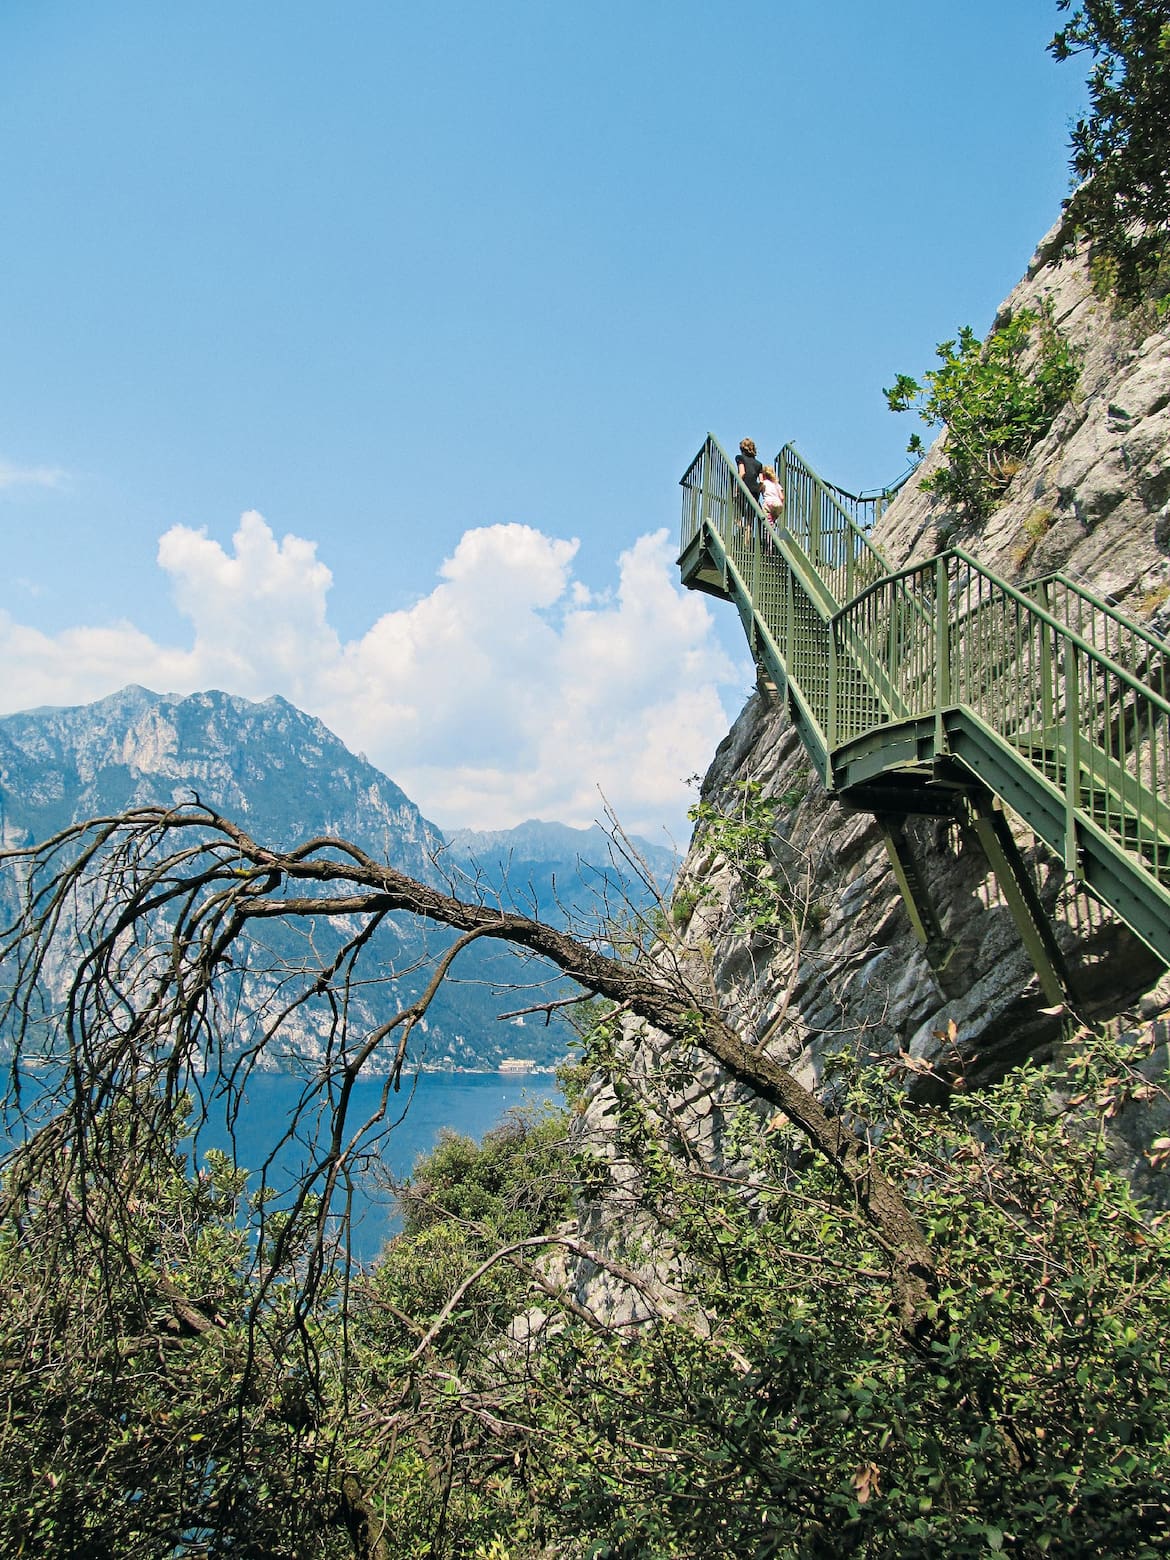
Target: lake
column 468, row 1103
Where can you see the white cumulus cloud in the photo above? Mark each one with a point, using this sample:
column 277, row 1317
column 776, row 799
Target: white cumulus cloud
column 508, row 691
column 258, row 612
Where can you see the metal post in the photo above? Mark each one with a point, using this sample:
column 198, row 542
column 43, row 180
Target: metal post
column 789, row 611
column 919, row 906
column 1072, row 757
column 942, row 652
column 1016, row 885
column 1047, row 670
column 757, row 548
column 705, row 500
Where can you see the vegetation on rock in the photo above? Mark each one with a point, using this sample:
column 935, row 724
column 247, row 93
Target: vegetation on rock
column 995, row 398
column 1121, row 148
column 890, row 1330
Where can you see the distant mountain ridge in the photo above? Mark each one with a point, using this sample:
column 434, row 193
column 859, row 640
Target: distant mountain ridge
column 285, row 777
column 569, row 877
column 276, row 770
column 558, row 843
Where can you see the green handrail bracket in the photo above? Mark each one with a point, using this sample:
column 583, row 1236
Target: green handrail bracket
column 937, row 687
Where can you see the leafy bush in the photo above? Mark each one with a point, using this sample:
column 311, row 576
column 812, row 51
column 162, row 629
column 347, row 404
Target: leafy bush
column 179, row 1381
column 1030, row 1417
column 154, row 1402
column 996, row 398
column 774, row 888
column 774, row 1403
column 506, row 1185
column 1121, row 149
column 433, row 1439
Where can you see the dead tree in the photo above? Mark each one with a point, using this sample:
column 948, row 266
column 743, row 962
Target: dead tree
column 154, row 903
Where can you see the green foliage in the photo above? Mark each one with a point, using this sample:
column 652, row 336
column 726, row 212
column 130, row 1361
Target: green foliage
column 685, row 902
column 774, row 886
column 996, row 398
column 772, row 1403
column 182, row 1380
column 785, row 1412
column 464, row 1204
column 1034, row 529
column 743, row 836
column 150, row 1404
column 777, row 1408
column 1121, row 149
column 508, row 1185
column 464, row 1201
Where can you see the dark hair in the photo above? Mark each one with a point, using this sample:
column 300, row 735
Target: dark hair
column 748, row 446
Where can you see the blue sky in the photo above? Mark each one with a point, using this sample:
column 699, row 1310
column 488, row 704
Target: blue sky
column 431, row 293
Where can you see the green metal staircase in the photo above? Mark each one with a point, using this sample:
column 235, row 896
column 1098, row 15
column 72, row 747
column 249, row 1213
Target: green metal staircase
column 939, row 687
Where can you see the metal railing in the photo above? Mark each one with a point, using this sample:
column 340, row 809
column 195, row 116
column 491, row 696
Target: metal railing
column 950, row 634
column 832, row 540
column 1143, row 653
column 788, row 612
column 865, row 509
column 829, row 536
column 1074, row 693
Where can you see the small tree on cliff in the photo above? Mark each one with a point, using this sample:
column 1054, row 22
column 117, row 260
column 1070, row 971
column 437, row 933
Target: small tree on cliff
column 1121, row 148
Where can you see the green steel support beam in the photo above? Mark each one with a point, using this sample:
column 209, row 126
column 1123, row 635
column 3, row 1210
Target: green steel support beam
column 920, row 908
column 1004, row 859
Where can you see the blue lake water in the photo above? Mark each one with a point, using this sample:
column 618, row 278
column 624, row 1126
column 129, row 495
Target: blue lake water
column 467, row 1103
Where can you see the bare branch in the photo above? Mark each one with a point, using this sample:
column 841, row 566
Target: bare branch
column 227, row 882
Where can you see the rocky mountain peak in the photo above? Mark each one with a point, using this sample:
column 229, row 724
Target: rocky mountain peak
column 275, row 768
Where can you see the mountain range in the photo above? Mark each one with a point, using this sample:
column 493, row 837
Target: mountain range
column 286, row 778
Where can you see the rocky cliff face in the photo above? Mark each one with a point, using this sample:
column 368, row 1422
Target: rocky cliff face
column 1091, row 500
column 1093, row 497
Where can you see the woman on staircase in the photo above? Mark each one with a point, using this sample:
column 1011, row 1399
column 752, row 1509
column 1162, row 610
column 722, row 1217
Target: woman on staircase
column 749, row 469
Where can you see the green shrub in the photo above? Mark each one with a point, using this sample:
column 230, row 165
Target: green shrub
column 996, row 398
column 1121, row 148
column 795, row 1417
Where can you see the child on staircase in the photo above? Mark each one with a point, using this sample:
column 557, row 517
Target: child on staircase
column 771, row 495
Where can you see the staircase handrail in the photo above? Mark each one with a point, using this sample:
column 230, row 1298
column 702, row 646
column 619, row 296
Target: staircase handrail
column 1014, row 593
column 725, row 467
column 709, row 484
column 1078, row 719
column 1123, row 628
column 895, row 576
column 810, row 713
column 1094, row 652
column 836, row 545
column 873, row 501
column 856, row 559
